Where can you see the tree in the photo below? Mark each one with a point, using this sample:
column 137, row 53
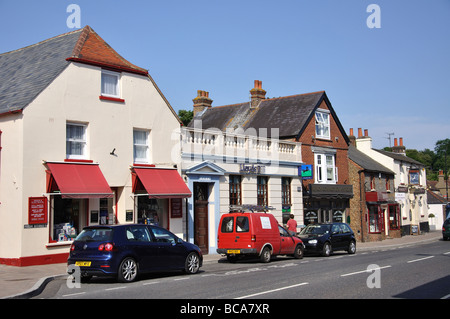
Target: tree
column 185, row 116
column 442, row 150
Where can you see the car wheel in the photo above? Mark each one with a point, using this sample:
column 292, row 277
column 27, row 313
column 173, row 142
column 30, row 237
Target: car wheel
column 326, row 251
column 192, row 263
column 298, row 253
column 128, row 270
column 352, row 248
column 266, row 255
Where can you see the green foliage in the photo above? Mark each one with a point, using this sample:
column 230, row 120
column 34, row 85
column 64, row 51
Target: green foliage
column 185, row 116
column 436, row 160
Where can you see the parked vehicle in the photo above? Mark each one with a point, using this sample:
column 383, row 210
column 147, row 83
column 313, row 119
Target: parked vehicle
column 125, row 251
column 446, row 229
column 255, row 234
column 326, row 238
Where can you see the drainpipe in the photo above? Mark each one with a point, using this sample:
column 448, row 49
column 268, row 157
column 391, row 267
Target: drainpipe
column 360, row 205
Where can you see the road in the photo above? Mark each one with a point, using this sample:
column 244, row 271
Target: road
column 420, row 271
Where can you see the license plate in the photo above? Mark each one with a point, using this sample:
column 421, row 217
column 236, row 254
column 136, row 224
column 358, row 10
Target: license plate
column 83, row 263
column 233, row 251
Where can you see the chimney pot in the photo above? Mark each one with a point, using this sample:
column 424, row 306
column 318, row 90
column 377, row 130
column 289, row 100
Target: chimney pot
column 351, row 132
column 401, row 141
column 366, row 132
column 202, row 101
column 360, row 132
column 395, row 142
column 257, row 94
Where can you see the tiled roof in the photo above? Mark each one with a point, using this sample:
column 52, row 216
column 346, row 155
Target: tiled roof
column 400, row 157
column 433, row 198
column 366, row 162
column 289, row 114
column 91, row 48
column 26, row 72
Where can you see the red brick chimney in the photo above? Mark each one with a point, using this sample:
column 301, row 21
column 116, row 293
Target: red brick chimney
column 399, row 148
column 257, row 94
column 201, row 102
column 352, row 138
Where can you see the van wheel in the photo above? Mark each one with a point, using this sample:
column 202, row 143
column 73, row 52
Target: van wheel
column 266, row 255
column 231, row 259
column 298, row 253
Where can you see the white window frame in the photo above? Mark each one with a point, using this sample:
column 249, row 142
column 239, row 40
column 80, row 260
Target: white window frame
column 117, row 76
column 82, row 141
column 146, row 145
column 322, row 118
column 323, row 168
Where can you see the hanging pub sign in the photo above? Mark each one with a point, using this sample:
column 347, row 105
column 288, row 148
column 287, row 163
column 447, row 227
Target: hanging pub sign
column 305, row 171
column 37, row 210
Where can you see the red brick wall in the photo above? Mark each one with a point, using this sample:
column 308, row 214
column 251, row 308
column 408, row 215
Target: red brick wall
column 339, row 144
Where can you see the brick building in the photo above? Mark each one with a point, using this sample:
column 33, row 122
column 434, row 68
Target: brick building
column 374, row 213
column 308, row 120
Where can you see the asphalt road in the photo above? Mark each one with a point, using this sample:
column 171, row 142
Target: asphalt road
column 409, row 272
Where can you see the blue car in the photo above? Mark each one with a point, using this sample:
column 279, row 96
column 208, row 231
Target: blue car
column 327, row 238
column 125, row 251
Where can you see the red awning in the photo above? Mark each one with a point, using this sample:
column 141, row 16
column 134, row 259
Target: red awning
column 160, row 183
column 74, row 180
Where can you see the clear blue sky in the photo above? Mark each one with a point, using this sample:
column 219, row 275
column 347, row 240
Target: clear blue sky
column 393, row 79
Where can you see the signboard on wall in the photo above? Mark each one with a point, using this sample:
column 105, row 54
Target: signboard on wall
column 176, row 208
column 37, row 210
column 305, row 171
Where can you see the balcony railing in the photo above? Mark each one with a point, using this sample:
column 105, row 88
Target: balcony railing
column 237, row 148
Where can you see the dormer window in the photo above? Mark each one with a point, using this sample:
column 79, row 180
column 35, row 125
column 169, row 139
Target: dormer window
column 110, row 84
column 323, row 124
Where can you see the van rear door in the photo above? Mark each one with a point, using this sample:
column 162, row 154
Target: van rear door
column 234, row 232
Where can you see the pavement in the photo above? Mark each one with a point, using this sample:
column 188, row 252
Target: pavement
column 28, row 282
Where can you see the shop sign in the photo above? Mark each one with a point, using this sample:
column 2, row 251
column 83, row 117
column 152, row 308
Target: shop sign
column 251, row 169
column 305, row 171
column 344, row 191
column 311, row 216
column 37, row 210
column 402, row 189
column 176, row 208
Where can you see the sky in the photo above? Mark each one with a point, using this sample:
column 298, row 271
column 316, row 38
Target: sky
column 385, row 69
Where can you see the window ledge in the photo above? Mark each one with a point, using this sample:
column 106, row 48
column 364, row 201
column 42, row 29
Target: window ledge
column 112, row 99
column 59, row 244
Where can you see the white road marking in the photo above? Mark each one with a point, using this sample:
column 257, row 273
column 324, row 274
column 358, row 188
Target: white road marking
column 273, row 290
column 364, row 271
column 70, row 295
column 420, row 259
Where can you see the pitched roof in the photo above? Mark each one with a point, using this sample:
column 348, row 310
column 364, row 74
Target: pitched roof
column 433, row 198
column 366, row 162
column 26, row 72
column 289, row 114
column 400, row 157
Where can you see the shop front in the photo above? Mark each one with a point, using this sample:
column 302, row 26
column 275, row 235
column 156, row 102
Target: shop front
column 383, row 216
column 159, row 195
column 326, row 203
column 79, row 195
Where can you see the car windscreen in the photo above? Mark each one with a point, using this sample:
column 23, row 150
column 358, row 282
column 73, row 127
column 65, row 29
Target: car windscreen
column 315, row 230
column 95, row 234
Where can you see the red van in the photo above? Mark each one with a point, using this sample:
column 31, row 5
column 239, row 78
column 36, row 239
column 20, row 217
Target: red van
column 259, row 234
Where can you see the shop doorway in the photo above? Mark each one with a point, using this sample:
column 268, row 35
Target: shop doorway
column 201, row 216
